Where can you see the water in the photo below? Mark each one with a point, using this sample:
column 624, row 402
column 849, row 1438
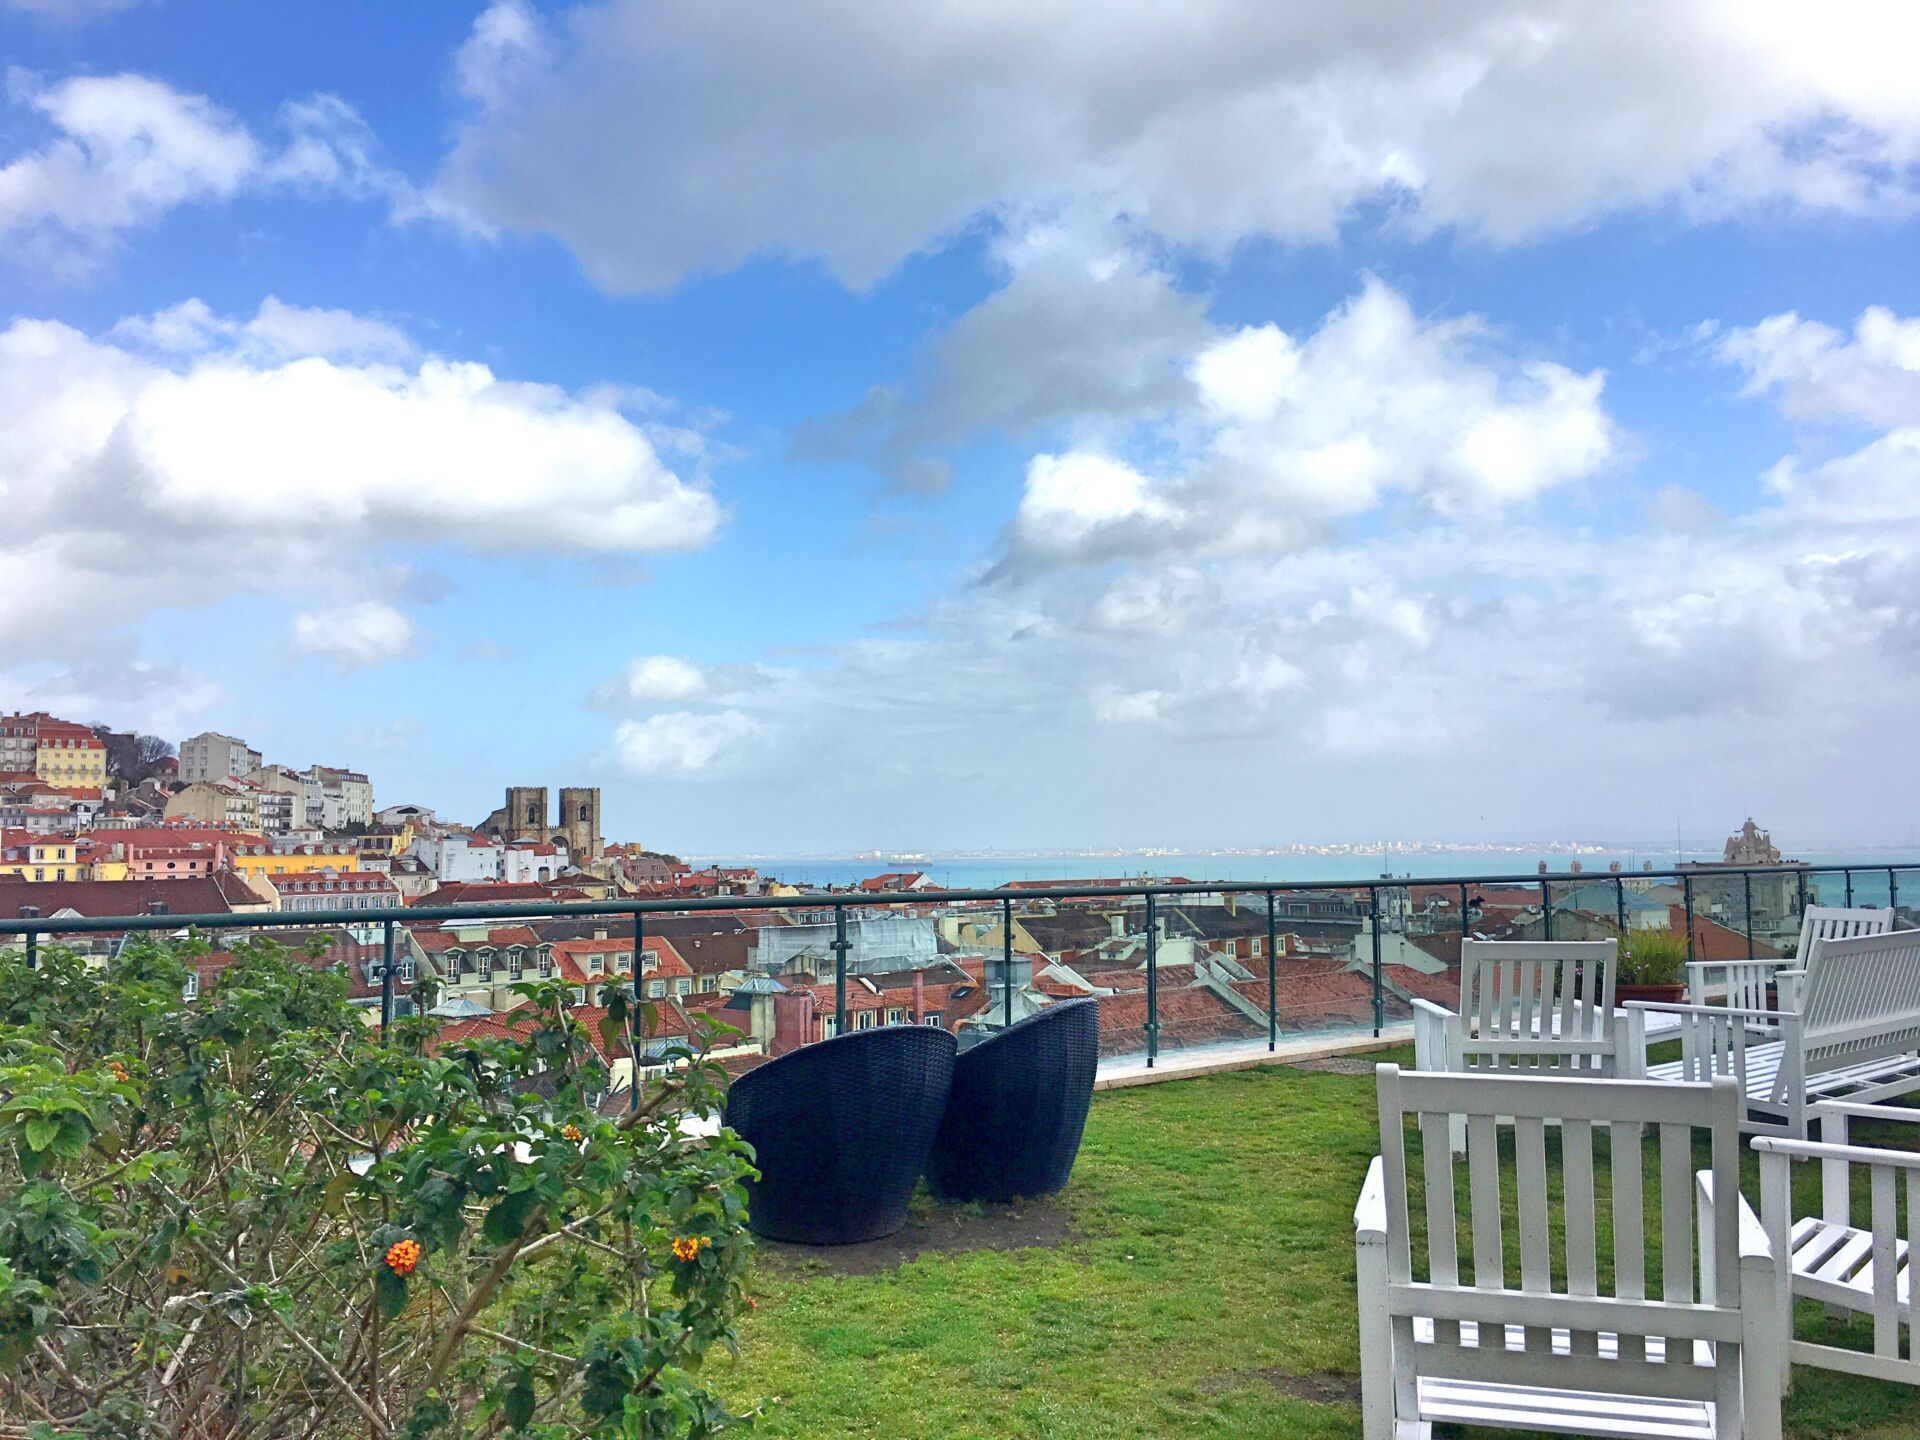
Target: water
column 987, row 872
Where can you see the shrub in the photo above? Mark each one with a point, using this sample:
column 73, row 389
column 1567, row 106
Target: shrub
column 252, row 1217
column 1654, row 957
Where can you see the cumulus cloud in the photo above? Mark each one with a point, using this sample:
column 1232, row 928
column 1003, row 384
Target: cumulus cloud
column 199, row 456
column 124, row 150
column 1086, row 328
column 682, row 743
column 653, row 678
column 1285, row 437
column 871, row 136
column 1817, row 372
column 352, row 636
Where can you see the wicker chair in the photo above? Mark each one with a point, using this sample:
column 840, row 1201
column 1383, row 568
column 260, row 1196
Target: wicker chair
column 841, row 1130
column 1017, row 1107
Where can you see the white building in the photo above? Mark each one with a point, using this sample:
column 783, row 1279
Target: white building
column 527, row 861
column 458, row 857
column 213, row 756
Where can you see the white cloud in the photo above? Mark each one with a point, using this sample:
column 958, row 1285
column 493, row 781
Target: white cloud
column 654, row 678
column 1086, row 327
column 682, row 743
column 871, row 135
column 1286, row 437
column 134, row 480
column 1817, row 372
column 277, row 331
column 352, row 636
column 1114, row 706
column 126, row 149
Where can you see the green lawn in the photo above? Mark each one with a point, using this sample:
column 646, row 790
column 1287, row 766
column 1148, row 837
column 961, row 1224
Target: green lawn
column 1211, row 1272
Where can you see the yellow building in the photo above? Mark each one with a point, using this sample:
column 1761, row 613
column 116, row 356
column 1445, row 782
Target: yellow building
column 70, row 756
column 256, row 858
column 43, row 858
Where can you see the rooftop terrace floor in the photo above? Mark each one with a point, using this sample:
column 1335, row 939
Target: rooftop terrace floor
column 1195, row 1279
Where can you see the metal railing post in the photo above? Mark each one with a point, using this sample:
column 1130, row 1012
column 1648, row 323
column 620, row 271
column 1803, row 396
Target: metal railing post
column 840, row 969
column 1893, row 889
column 633, row 984
column 1803, row 896
column 1466, row 920
column 1006, row 960
column 33, row 949
column 1546, row 911
column 1620, row 904
column 1379, row 1011
column 1746, row 886
column 1273, row 1004
column 386, row 980
column 1849, row 877
column 1153, row 982
column 1686, row 895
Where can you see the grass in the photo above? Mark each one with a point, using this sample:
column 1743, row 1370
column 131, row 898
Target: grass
column 1211, row 1273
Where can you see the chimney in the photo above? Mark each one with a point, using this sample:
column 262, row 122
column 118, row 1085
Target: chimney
column 600, row 932
column 919, row 996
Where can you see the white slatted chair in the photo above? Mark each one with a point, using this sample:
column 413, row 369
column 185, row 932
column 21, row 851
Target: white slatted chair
column 1853, row 1033
column 1742, row 984
column 1853, row 1269
column 1599, row 1356
column 1538, row 1006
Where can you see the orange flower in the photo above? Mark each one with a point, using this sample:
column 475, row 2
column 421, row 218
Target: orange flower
column 402, row 1256
column 119, row 1071
column 688, row 1247
column 570, row 1132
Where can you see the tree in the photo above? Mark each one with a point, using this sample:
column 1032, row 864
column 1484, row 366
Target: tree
column 251, row 1217
column 133, row 757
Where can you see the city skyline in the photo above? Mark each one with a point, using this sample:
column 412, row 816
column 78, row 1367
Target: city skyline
column 1196, row 452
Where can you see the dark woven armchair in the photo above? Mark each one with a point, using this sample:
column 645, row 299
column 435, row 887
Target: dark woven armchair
column 1017, row 1107
column 841, row 1130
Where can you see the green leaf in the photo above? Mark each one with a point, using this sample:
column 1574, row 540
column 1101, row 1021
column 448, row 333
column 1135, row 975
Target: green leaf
column 507, row 1219
column 519, row 1401
column 40, row 1131
column 390, row 1290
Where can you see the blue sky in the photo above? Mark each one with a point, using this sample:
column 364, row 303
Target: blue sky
column 1006, row 427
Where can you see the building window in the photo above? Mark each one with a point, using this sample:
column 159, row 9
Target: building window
column 682, row 985
column 708, row 984
column 622, row 963
column 656, row 989
column 896, row 1015
column 406, row 969
column 546, row 966
column 932, row 1018
column 191, row 990
column 864, row 1020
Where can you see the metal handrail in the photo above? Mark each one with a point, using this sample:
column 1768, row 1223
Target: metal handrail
column 388, row 917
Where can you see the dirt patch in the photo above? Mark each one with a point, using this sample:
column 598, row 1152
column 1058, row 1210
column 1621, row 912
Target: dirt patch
column 1339, row 1065
column 1321, row 1389
column 938, row 1229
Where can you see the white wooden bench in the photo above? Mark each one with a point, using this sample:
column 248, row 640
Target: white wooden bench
column 1853, row 1269
column 1848, row 1027
column 1743, row 984
column 1599, row 1355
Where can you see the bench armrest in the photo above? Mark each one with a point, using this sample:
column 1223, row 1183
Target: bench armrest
column 1370, row 1213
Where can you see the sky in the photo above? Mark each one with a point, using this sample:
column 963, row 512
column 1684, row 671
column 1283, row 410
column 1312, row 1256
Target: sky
column 981, row 425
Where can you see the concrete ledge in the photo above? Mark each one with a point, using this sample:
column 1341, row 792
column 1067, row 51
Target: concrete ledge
column 1214, row 1060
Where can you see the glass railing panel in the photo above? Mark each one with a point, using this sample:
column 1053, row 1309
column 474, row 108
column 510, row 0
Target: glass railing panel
column 1325, row 966
column 1210, row 988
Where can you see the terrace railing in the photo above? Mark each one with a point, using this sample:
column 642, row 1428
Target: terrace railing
column 1251, row 982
